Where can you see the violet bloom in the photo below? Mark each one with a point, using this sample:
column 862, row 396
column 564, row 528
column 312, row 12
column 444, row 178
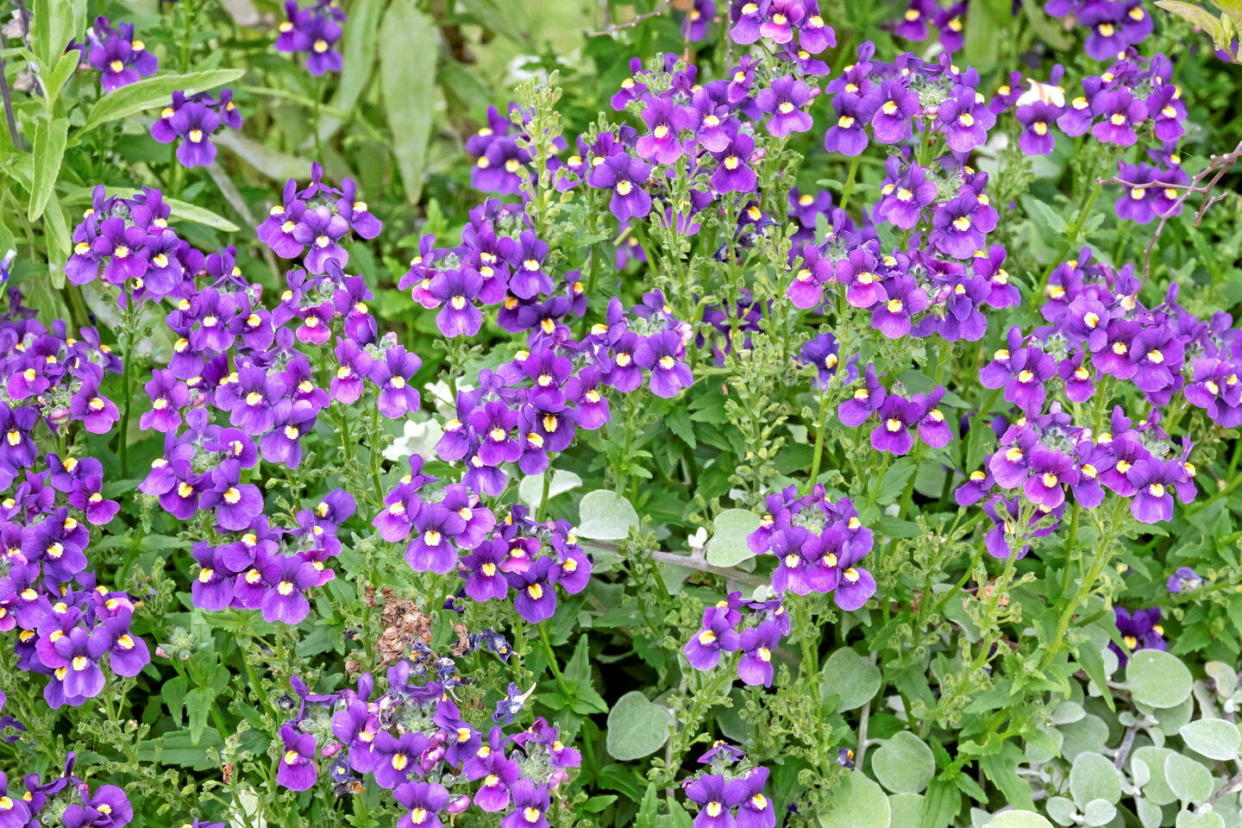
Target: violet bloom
column 733, row 172
column 1050, row 471
column 847, row 134
column 108, row 807
column 193, row 123
column 957, row 226
column 757, row 644
column 314, row 31
column 297, row 770
column 893, row 118
column 423, row 801
column 897, row 416
column 1184, row 579
column 755, row 809
column 784, row 101
column 320, row 229
column 118, row 56
column 716, row 636
column 286, row 578
column 392, row 375
column 1121, row 113
column 1139, row 631
column 168, row 396
column 905, row 298
column 530, row 804
column 965, row 121
column 626, row 177
column 716, row 797
column 854, row 411
column 666, row 120
column 823, row 353
column 1155, row 482
column 1037, row 120
column 456, row 290
column 485, row 579
column 662, row 354
column 1021, row 371
column 536, row 598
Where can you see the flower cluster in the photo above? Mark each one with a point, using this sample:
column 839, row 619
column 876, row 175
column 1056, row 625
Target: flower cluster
column 921, row 16
column 500, row 155
column 899, row 417
column 1113, row 27
column 193, row 121
column 729, row 794
column 413, row 741
column 311, row 222
column 67, row 624
column 314, row 31
column 755, row 634
column 119, row 57
column 127, row 242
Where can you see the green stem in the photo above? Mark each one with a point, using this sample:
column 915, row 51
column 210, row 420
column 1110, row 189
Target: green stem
column 821, row 423
column 543, row 495
column 848, row 190
column 127, row 391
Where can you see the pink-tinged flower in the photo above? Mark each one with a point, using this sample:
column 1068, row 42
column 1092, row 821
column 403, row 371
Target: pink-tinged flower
column 626, row 176
column 296, row 770
column 784, row 101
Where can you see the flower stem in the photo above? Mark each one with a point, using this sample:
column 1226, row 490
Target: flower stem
column 821, row 423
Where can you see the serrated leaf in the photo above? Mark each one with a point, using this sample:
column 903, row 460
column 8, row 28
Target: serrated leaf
column 198, row 704
column 408, row 84
column 1214, row 738
column 605, row 515
column 730, row 529
column 636, row 727
column 152, row 92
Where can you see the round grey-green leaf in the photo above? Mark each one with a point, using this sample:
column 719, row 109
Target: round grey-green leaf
column 530, row 490
column 636, row 727
column 1018, row 819
column 730, row 529
column 1063, row 811
column 904, row 763
column 1209, row 819
column 605, row 515
column 1189, row 780
column 907, row 808
column 1099, row 812
column 1093, row 777
column 1214, row 738
column 853, row 679
column 857, row 802
column 1158, row 679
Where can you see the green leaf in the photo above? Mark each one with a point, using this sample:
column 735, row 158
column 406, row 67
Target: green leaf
column 636, row 727
column 1018, row 819
column 1156, row 786
column 1158, row 679
column 1046, row 219
column 153, row 92
column 730, row 529
column 49, row 150
column 904, row 763
column 1189, row 780
column 176, row 748
column 1207, row 819
column 180, row 209
column 198, row 704
column 53, row 24
column 1099, row 812
column 57, row 239
column 605, row 515
column 854, row 680
column 359, row 60
column 275, row 165
column 1214, row 738
column 1197, row 15
column 1093, row 777
column 907, row 809
column 530, row 490
column 857, row 802
column 894, row 481
column 408, row 84
column 942, row 803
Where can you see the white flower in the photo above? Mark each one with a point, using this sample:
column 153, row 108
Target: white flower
column 419, row 438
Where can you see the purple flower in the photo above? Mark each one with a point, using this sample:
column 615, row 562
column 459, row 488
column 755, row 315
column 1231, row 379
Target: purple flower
column 423, row 801
column 666, row 120
column 1139, row 631
column 965, row 121
column 296, row 770
column 118, row 56
column 784, row 101
column 107, row 807
column 662, row 354
column 286, row 578
column 530, row 804
column 733, row 173
column 757, row 644
column 392, row 375
column 716, row 797
column 716, row 636
column 626, row 177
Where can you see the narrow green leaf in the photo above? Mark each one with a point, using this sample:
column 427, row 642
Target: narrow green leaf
column 57, row 240
column 153, row 92
column 53, row 24
column 198, row 704
column 275, row 165
column 359, row 57
column 408, row 83
column 49, row 150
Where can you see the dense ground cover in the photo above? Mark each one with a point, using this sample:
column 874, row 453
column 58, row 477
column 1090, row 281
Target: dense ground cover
column 582, row 413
